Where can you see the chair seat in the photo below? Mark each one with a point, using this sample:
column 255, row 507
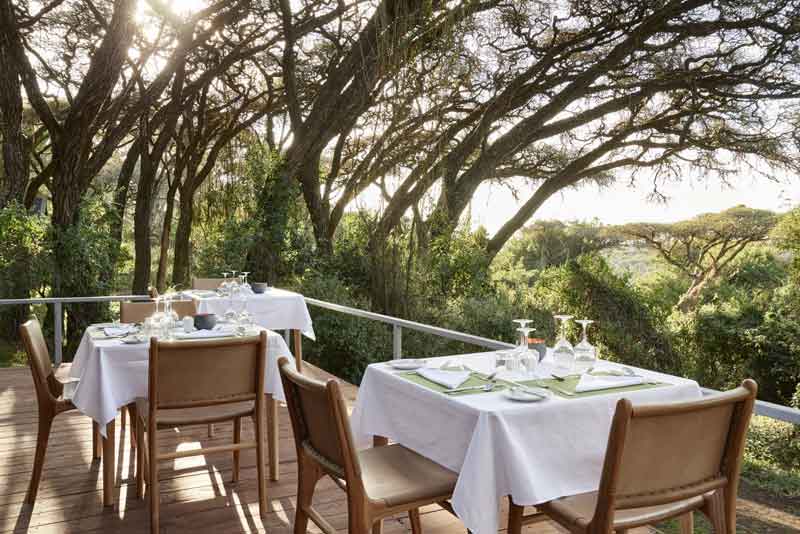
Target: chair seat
column 168, row 418
column 578, row 510
column 396, row 476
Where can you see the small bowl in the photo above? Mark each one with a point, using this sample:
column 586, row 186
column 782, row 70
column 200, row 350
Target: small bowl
column 205, row 321
column 259, row 287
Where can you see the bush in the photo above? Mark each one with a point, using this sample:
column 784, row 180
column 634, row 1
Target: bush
column 345, row 344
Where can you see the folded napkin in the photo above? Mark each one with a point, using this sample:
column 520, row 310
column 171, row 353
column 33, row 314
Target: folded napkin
column 448, row 379
column 598, row 382
column 122, row 330
column 203, row 334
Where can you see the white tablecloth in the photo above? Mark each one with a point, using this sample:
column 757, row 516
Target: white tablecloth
column 276, row 309
column 534, row 452
column 112, row 374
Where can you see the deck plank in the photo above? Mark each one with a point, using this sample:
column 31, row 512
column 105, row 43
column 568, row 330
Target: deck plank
column 196, row 494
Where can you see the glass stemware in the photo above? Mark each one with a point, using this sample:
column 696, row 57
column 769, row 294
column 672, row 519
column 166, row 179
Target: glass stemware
column 563, row 352
column 223, row 286
column 234, row 294
column 245, row 283
column 585, row 353
column 528, row 359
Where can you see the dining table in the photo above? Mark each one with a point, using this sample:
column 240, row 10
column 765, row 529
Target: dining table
column 109, row 373
column 275, row 308
column 503, row 444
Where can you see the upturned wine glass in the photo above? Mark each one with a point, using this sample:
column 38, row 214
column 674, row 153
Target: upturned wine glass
column 563, row 352
column 585, row 352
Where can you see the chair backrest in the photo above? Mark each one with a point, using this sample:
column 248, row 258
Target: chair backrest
column 209, row 284
column 48, row 389
column 136, row 312
column 662, row 453
column 320, row 423
column 187, row 374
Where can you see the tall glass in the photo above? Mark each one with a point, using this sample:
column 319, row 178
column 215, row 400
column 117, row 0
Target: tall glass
column 585, row 353
column 528, row 359
column 563, row 352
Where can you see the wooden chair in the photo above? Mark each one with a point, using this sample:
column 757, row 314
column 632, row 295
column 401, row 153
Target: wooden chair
column 208, row 284
column 379, row 482
column 197, row 383
column 136, row 312
column 664, row 461
column 49, row 397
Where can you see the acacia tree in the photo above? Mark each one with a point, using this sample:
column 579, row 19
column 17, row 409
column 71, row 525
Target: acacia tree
column 703, row 248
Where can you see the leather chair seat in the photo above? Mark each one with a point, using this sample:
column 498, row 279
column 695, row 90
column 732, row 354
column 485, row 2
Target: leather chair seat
column 168, row 418
column 396, row 476
column 579, row 509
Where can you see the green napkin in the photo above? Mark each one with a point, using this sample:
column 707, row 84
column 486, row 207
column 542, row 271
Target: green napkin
column 475, row 379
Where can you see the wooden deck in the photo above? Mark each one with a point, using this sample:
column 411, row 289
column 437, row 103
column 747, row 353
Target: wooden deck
column 196, row 493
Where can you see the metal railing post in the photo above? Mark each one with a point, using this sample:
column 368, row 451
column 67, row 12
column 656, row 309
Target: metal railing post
column 397, row 342
column 58, row 334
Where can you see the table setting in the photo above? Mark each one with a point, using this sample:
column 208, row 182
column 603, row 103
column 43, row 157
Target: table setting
column 527, row 423
column 270, row 307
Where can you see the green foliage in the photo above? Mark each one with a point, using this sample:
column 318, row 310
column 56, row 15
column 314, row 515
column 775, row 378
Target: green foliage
column 787, row 237
column 345, row 344
column 626, row 330
column 551, row 243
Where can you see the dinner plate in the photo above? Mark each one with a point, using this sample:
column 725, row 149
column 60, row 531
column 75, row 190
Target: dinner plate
column 133, row 340
column 529, row 394
column 408, row 364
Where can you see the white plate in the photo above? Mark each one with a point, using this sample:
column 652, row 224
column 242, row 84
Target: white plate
column 531, row 394
column 133, row 340
column 408, row 364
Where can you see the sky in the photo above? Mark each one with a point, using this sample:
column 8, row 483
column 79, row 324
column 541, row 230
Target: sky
column 621, row 203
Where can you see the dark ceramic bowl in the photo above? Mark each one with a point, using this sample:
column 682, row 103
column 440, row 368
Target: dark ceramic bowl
column 205, row 321
column 259, row 287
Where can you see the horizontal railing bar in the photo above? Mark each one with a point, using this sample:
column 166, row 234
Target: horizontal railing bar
column 774, row 411
column 767, row 409
column 74, row 300
column 780, row 412
column 413, row 325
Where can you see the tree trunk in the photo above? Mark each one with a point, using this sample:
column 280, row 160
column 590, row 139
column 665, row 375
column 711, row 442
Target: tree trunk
column 166, row 231
column 181, row 266
column 15, row 147
column 141, row 225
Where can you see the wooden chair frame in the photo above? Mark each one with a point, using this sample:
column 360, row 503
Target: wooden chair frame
column 364, row 514
column 208, row 284
column 49, row 391
column 148, row 455
column 714, row 496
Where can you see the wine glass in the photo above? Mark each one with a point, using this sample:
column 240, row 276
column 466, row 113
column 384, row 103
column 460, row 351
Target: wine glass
column 563, row 352
column 223, row 286
column 585, row 353
column 528, row 359
column 234, row 293
column 245, row 283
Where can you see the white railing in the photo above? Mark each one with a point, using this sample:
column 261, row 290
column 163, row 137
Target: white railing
column 58, row 313
column 767, row 409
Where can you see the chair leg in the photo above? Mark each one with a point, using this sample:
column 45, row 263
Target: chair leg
column 413, row 518
column 515, row 513
column 686, row 523
column 237, row 438
column 140, row 465
column 261, row 458
column 377, row 527
column 715, row 510
column 42, row 437
column 152, row 442
column 97, row 441
column 307, row 477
